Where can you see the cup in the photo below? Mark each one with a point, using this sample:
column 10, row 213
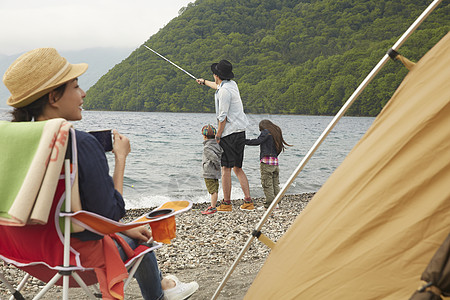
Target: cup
column 104, row 137
column 163, row 230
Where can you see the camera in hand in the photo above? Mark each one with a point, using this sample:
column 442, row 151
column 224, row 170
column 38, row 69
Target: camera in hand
column 104, row 137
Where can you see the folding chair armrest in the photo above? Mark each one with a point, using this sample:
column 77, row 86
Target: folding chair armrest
column 99, row 224
column 103, row 226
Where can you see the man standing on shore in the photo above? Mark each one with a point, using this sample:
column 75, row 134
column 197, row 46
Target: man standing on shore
column 232, row 123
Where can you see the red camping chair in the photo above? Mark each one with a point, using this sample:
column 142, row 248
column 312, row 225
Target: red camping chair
column 44, row 251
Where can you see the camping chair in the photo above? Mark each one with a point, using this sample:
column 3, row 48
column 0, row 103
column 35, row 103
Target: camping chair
column 35, row 236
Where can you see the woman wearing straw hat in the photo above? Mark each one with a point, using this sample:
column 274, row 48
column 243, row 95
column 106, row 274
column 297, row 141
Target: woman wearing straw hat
column 44, row 86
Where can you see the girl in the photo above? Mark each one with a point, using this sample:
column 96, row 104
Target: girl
column 271, row 145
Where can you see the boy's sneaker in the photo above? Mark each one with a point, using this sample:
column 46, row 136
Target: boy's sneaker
column 181, row 290
column 247, row 206
column 209, row 210
column 224, row 208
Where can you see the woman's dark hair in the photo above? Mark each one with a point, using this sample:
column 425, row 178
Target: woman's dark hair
column 276, row 133
column 33, row 110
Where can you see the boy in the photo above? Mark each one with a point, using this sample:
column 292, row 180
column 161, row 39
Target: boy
column 212, row 154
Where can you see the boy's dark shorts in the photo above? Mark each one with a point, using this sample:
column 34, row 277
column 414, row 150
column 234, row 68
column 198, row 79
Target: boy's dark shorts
column 233, row 149
column 212, row 185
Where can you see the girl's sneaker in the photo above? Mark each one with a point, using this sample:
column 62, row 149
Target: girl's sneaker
column 209, row 210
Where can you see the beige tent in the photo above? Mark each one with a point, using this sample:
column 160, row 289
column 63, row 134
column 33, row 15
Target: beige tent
column 373, row 227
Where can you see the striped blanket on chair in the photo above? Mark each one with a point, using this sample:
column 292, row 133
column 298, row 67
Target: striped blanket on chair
column 31, row 159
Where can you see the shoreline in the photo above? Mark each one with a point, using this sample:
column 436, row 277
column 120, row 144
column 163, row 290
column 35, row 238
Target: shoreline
column 205, row 248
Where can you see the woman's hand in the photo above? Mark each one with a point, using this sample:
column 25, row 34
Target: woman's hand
column 121, row 146
column 121, row 149
column 140, row 233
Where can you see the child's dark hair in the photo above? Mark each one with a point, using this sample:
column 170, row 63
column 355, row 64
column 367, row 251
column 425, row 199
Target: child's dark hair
column 276, row 133
column 209, row 131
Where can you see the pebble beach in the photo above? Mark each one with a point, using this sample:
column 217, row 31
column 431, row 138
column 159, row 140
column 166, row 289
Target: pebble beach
column 204, row 249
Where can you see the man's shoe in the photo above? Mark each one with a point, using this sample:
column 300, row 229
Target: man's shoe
column 181, row 290
column 224, row 208
column 209, row 210
column 247, row 206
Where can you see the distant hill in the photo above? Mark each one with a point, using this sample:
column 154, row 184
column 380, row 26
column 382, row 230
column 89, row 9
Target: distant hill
column 100, row 61
column 289, row 56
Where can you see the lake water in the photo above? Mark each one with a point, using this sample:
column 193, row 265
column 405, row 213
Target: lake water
column 165, row 160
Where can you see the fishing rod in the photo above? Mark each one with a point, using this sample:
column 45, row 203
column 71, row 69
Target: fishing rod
column 170, row 62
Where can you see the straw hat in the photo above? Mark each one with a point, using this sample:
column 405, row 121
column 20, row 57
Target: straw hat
column 36, row 73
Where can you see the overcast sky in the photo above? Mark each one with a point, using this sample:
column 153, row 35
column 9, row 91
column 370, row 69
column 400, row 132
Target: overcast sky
column 80, row 24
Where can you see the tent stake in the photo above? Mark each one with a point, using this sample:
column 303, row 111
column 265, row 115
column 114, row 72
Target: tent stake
column 324, row 134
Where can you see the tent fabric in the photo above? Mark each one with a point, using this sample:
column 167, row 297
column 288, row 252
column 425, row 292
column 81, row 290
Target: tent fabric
column 373, row 227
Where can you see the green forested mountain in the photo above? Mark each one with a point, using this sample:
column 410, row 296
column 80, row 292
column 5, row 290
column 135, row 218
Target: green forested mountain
column 289, row 57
